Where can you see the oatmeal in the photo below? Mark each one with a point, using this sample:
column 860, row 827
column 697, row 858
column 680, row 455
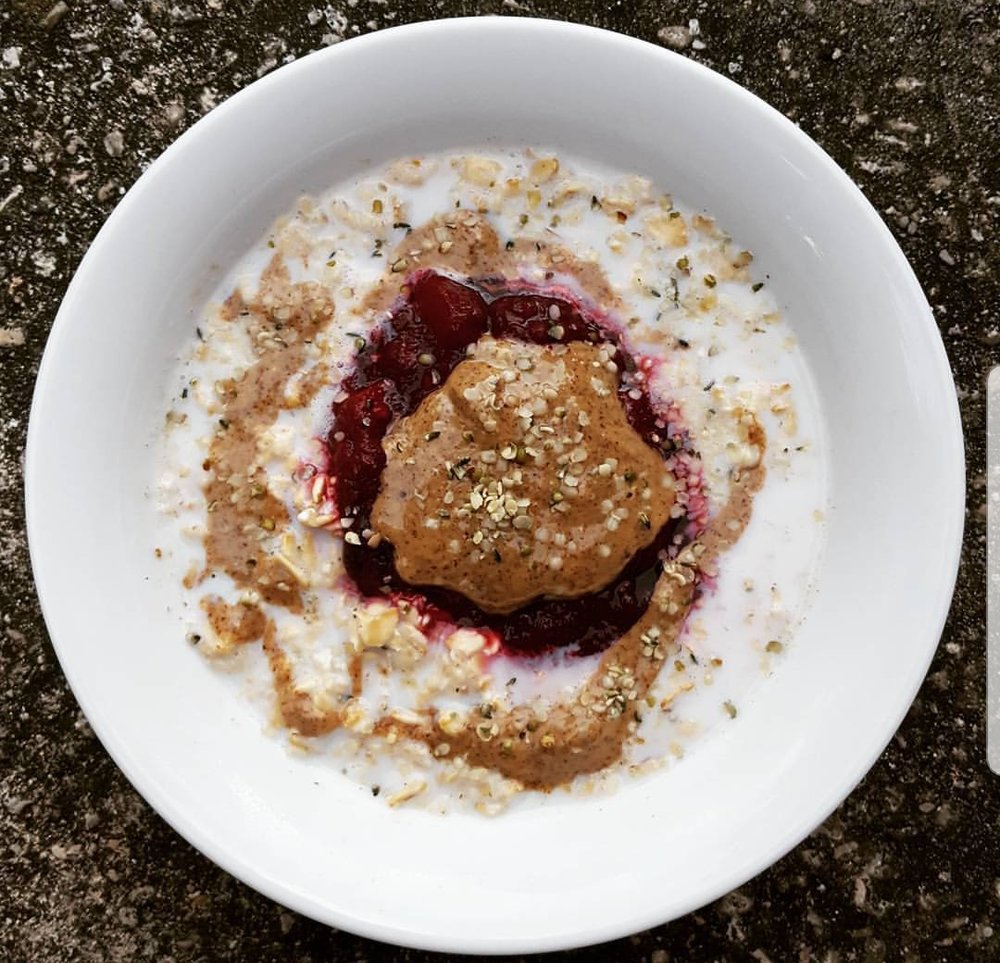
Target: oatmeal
column 479, row 479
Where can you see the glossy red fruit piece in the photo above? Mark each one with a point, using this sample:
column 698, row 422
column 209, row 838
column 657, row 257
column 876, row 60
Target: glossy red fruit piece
column 541, row 319
column 397, row 359
column 454, row 313
column 357, row 459
column 640, row 413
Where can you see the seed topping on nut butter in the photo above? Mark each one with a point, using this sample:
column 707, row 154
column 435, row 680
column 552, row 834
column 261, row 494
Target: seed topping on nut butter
column 521, row 478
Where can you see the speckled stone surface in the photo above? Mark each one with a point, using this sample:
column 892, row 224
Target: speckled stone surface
column 902, row 93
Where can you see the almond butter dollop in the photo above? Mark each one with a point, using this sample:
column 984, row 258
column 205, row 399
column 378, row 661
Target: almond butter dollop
column 521, row 478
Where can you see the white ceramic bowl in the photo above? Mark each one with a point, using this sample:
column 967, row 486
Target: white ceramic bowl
column 572, row 872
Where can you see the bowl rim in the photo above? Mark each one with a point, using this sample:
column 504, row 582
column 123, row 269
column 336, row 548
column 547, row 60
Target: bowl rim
column 592, row 931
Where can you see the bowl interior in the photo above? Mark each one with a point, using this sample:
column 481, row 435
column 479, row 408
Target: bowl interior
column 572, row 871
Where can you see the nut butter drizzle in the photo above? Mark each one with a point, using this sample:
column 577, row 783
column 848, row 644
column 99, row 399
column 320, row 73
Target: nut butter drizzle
column 243, row 515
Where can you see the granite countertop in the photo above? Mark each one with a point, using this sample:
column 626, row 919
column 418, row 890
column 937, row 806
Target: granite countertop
column 902, row 93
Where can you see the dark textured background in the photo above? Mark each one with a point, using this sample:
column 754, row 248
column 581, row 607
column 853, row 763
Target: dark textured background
column 903, row 95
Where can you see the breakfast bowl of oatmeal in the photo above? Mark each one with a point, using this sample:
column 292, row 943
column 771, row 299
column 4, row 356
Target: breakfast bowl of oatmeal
column 456, row 483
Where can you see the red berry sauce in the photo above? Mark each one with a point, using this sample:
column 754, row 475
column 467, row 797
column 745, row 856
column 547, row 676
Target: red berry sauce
column 410, row 354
